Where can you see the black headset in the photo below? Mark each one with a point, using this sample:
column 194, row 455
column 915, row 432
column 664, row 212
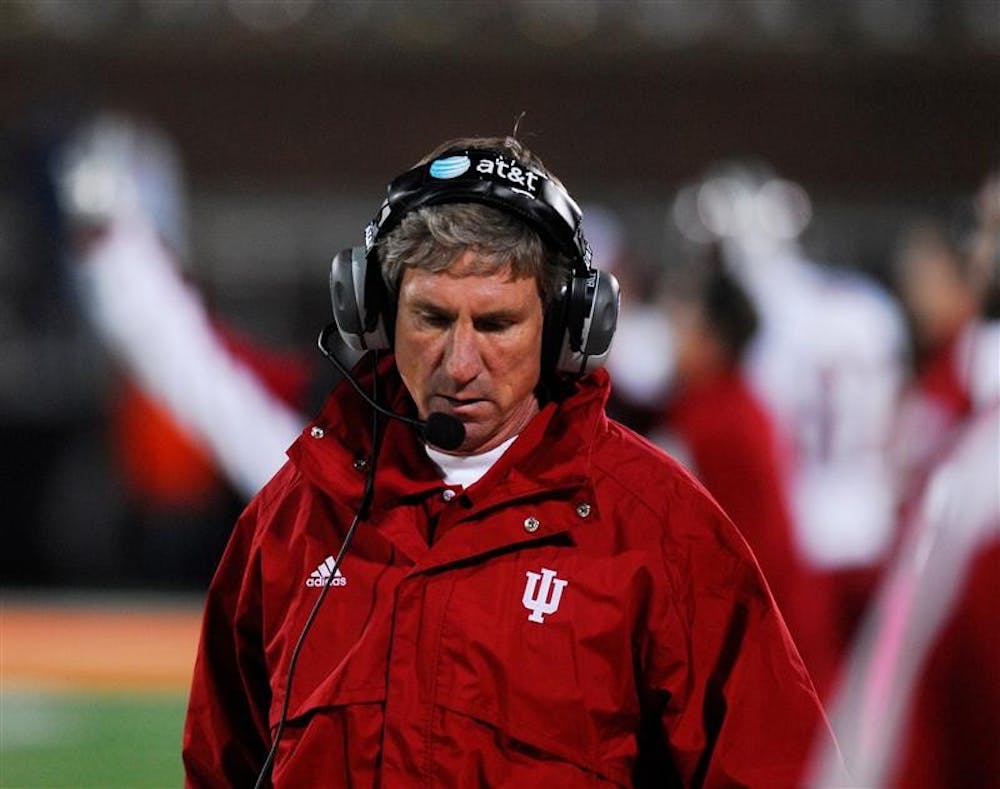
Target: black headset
column 581, row 321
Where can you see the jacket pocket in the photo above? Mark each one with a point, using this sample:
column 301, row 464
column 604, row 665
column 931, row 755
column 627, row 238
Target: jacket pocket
column 331, row 743
column 473, row 748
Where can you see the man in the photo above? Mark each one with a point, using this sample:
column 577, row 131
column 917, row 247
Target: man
column 551, row 602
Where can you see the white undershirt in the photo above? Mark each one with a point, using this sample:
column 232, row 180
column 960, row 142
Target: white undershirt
column 465, row 470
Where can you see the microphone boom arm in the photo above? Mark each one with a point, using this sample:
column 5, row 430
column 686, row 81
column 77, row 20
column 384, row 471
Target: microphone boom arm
column 443, row 431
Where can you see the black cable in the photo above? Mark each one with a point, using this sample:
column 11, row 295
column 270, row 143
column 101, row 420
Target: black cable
column 366, row 498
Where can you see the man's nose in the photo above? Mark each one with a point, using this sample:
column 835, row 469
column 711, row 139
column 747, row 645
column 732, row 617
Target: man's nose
column 462, row 358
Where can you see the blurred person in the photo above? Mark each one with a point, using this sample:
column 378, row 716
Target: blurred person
column 828, row 364
column 715, row 422
column 947, row 288
column 192, row 384
column 534, row 595
column 919, row 701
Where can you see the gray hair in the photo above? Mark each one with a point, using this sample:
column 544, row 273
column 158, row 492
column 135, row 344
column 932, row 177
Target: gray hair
column 434, row 237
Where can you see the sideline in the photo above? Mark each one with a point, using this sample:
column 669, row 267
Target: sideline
column 90, row 641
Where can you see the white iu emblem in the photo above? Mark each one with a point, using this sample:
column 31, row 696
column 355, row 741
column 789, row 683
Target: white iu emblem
column 544, row 600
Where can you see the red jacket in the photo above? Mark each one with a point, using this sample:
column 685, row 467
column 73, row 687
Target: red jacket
column 585, row 613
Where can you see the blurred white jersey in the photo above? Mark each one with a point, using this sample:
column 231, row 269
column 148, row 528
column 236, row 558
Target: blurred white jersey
column 829, row 363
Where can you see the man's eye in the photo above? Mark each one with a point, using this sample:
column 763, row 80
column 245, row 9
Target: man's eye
column 435, row 321
column 492, row 327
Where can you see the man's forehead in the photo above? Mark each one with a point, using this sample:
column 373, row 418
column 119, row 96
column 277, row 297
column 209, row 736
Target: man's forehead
column 490, row 291
column 429, row 280
column 471, row 263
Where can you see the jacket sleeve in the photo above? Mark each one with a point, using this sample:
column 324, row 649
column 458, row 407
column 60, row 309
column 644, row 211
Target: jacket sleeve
column 226, row 734
column 732, row 701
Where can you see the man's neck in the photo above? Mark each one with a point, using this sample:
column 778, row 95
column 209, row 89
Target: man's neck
column 465, row 470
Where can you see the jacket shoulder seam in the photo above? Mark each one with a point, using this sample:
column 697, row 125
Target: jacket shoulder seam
column 274, row 492
column 670, row 474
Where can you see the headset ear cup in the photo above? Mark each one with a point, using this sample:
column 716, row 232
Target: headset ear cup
column 554, row 332
column 591, row 317
column 358, row 301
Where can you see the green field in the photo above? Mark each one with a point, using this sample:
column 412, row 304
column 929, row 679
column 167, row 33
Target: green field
column 81, row 740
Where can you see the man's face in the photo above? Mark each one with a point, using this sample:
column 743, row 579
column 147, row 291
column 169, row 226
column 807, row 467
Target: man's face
column 469, row 345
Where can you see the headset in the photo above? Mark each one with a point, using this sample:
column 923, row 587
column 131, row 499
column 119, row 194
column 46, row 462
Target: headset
column 581, row 321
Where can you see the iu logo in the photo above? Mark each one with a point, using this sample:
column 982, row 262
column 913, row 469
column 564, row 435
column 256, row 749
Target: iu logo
column 544, row 599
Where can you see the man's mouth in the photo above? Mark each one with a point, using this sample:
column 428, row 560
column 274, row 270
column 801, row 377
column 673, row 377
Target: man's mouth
column 460, row 404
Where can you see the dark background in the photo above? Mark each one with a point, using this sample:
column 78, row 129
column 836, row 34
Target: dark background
column 290, row 117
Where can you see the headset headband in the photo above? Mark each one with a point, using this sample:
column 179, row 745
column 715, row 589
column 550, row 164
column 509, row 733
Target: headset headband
column 491, row 178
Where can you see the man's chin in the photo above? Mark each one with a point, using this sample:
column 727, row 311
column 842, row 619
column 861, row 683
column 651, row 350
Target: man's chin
column 479, row 441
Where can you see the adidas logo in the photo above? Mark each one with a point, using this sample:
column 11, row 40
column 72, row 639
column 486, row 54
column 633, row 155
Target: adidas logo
column 321, row 573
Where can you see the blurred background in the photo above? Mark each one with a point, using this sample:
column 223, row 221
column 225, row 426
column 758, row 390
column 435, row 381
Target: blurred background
column 795, row 194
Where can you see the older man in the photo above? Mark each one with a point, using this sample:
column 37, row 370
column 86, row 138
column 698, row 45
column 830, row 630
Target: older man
column 534, row 596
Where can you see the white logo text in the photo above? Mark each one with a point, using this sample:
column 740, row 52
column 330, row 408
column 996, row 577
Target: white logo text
column 509, row 171
column 543, row 600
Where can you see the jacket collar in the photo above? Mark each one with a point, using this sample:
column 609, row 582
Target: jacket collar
column 334, row 450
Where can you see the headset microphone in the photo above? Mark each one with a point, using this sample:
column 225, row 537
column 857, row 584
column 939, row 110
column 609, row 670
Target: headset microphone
column 443, row 431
